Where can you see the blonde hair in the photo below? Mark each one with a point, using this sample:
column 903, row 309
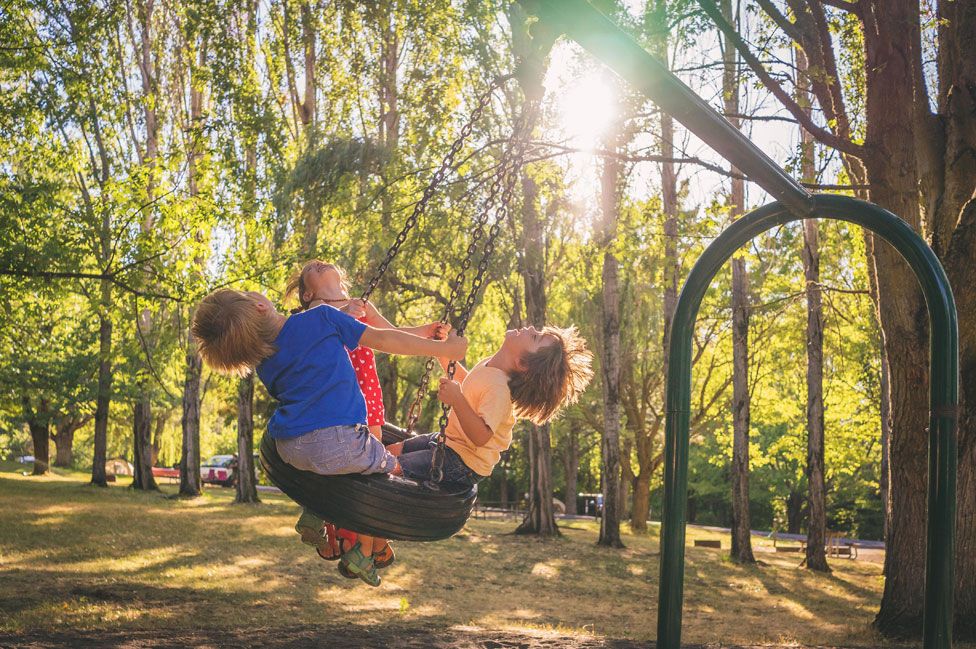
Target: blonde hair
column 296, row 283
column 553, row 376
column 232, row 336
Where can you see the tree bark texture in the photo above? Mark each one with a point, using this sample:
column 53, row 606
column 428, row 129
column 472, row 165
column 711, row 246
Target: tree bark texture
column 571, row 460
column 610, row 365
column 142, row 408
column 247, row 486
column 816, row 557
column 541, row 518
column 104, row 395
column 142, row 476
column 65, row 427
column 741, row 532
column 741, row 528
column 892, row 172
column 190, row 483
column 39, row 423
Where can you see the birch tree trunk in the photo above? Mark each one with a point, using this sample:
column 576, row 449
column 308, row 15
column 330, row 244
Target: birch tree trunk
column 816, row 558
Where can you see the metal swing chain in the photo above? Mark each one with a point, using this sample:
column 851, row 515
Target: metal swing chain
column 413, row 414
column 521, row 137
column 446, row 164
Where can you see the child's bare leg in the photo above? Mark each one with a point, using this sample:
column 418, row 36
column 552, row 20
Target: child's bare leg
column 377, row 432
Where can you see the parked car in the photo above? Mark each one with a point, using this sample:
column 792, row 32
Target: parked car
column 225, row 469
column 220, row 469
column 589, row 504
column 24, row 459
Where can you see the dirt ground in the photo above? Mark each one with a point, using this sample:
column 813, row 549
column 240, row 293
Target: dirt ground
column 334, row 638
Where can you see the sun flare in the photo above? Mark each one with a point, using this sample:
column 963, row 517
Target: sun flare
column 587, row 108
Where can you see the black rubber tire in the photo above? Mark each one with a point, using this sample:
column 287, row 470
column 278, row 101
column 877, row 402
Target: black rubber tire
column 377, row 505
column 393, row 434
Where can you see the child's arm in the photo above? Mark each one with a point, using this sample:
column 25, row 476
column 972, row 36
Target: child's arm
column 472, row 425
column 394, row 341
column 375, row 319
column 459, row 370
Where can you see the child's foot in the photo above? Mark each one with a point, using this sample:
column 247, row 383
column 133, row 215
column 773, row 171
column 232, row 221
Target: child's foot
column 358, row 564
column 320, row 535
column 385, row 557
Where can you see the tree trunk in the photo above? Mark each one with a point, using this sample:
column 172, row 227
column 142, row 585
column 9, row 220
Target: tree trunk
column 541, row 518
column 893, row 176
column 39, row 423
column 816, row 558
column 571, row 459
column 190, row 483
column 611, row 365
column 247, row 491
column 65, row 428
column 104, row 396
column 63, row 449
column 817, row 498
column 794, row 512
column 741, row 528
column 142, row 409
column 142, row 476
column 503, row 481
column 157, row 442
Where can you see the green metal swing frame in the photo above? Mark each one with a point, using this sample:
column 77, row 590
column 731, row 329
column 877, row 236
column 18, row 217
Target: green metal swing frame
column 580, row 21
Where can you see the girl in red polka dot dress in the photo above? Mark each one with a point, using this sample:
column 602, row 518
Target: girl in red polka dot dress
column 318, row 282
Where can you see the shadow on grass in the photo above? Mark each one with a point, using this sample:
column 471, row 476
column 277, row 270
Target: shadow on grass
column 115, row 559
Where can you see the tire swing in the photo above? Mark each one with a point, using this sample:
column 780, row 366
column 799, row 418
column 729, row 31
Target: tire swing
column 394, row 507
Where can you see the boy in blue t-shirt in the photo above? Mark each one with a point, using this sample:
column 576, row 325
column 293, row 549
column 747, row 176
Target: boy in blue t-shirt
column 320, row 422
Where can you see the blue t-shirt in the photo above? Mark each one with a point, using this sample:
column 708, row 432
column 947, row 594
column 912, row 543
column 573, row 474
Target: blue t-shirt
column 310, row 375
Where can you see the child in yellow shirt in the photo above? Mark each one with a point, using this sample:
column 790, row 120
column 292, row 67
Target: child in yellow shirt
column 531, row 376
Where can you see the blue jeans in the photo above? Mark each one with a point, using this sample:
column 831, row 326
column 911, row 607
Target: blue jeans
column 337, row 450
column 416, row 457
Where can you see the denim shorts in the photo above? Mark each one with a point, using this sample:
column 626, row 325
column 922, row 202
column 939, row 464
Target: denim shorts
column 337, row 450
column 416, row 456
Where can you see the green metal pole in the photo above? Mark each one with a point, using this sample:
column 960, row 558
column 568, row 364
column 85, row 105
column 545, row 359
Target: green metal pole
column 582, row 22
column 944, row 372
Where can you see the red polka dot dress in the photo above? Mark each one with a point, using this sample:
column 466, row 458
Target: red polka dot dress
column 364, row 362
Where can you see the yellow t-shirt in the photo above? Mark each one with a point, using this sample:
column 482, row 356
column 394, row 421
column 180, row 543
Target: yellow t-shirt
column 486, row 389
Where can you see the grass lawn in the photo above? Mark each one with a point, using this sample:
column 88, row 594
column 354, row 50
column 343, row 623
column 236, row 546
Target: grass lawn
column 77, row 557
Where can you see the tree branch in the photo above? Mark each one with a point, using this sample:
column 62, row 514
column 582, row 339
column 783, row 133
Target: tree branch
column 825, row 136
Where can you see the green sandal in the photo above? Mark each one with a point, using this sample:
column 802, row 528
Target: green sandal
column 355, row 562
column 315, row 532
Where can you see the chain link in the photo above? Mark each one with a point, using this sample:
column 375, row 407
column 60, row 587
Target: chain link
column 507, row 177
column 416, row 407
column 446, row 164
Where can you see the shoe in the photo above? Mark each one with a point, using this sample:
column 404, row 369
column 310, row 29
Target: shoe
column 355, row 562
column 385, row 557
column 318, row 534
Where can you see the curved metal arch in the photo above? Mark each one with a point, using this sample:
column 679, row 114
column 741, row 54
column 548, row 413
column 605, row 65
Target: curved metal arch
column 944, row 395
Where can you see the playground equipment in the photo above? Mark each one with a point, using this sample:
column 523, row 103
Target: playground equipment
column 580, row 21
